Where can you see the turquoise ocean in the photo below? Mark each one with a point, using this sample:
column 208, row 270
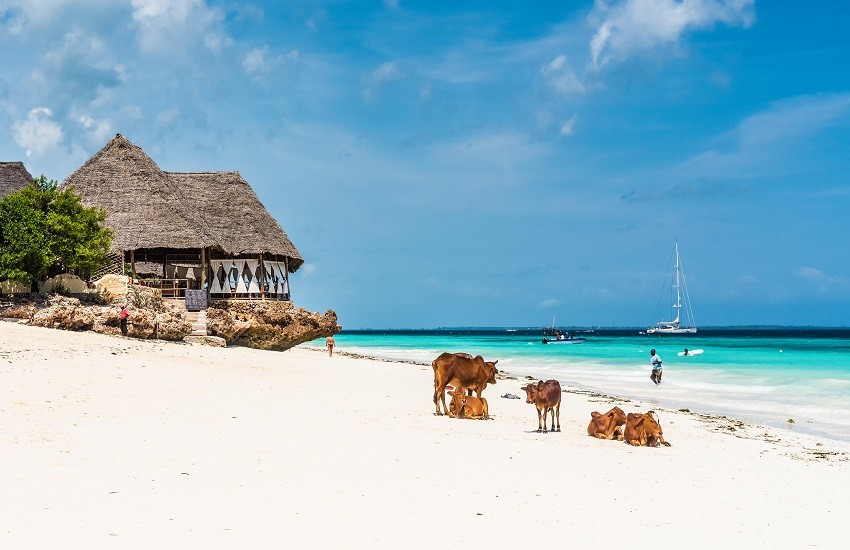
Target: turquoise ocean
column 766, row 376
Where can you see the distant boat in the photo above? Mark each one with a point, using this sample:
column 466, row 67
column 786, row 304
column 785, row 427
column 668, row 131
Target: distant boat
column 675, row 326
column 553, row 335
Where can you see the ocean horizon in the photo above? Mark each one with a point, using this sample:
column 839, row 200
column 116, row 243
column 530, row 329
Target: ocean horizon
column 794, row 378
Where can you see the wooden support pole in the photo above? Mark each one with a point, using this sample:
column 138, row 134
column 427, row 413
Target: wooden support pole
column 263, row 280
column 204, row 268
column 286, row 274
column 133, row 264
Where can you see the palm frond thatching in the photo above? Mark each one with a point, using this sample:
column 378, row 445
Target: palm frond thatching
column 149, row 208
column 13, row 177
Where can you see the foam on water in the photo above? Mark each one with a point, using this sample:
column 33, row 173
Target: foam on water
column 742, row 373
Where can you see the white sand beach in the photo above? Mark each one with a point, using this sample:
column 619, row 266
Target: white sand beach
column 122, row 443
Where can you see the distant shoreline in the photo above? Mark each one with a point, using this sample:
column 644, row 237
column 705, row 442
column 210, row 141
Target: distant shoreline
column 630, row 331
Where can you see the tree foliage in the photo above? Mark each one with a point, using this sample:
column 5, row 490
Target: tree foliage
column 40, row 225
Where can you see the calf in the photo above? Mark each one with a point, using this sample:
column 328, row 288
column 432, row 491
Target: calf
column 644, row 430
column 466, row 406
column 607, row 426
column 546, row 396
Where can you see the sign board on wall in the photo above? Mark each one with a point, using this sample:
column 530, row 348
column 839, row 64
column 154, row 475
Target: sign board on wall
column 196, row 300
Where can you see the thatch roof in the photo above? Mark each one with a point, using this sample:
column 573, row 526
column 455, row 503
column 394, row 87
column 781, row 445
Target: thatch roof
column 13, row 177
column 152, row 209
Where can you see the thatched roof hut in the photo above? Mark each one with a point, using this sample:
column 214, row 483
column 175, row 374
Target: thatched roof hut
column 151, row 210
column 13, row 177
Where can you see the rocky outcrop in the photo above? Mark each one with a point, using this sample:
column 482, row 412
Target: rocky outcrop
column 153, row 321
column 19, row 311
column 214, row 341
column 268, row 325
column 112, row 288
column 68, row 313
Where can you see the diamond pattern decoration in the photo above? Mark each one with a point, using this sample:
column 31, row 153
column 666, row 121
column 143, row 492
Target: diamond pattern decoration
column 242, row 278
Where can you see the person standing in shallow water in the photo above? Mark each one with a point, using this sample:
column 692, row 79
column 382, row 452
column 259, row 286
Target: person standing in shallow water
column 656, row 366
column 330, row 344
column 123, row 316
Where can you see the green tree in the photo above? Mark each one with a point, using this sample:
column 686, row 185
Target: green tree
column 40, row 224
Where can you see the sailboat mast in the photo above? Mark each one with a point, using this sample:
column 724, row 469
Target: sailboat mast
column 678, row 305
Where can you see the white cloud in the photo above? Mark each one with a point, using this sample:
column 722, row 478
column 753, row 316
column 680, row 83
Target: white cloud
column 167, row 116
column 762, row 141
column 385, row 73
column 80, row 66
column 629, row 27
column 793, row 119
column 816, row 275
column 823, row 282
column 165, row 23
column 37, row 134
column 568, row 126
column 98, row 130
column 561, row 77
column 21, row 14
column 256, row 61
column 307, row 270
column 500, row 150
column 549, row 303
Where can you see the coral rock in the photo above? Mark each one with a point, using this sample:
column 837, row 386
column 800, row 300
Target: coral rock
column 268, row 325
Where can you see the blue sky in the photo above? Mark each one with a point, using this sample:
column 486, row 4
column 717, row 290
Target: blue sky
column 479, row 163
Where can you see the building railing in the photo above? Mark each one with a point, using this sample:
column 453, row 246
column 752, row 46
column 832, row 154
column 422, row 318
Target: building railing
column 169, row 288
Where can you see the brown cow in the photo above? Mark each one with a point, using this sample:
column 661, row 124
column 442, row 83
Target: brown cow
column 462, row 372
column 644, row 430
column 607, row 426
column 466, row 406
column 546, row 396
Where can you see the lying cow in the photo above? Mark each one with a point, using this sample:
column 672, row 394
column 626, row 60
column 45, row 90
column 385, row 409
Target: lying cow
column 466, row 406
column 644, row 430
column 461, row 371
column 607, row 426
column 546, row 396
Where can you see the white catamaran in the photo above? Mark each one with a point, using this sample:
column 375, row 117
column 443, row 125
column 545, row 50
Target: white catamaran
column 675, row 326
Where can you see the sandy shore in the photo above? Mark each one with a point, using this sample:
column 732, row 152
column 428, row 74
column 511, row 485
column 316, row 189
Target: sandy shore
column 112, row 442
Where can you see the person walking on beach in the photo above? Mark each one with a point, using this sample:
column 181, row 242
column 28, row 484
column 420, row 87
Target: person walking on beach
column 656, row 366
column 330, row 344
column 123, row 316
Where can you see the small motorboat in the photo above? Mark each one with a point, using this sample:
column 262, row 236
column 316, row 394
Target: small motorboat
column 555, row 336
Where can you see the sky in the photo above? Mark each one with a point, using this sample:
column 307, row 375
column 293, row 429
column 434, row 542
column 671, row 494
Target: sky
column 479, row 163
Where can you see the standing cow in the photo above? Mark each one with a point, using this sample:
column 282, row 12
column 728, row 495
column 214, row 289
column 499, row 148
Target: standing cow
column 546, row 396
column 461, row 371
